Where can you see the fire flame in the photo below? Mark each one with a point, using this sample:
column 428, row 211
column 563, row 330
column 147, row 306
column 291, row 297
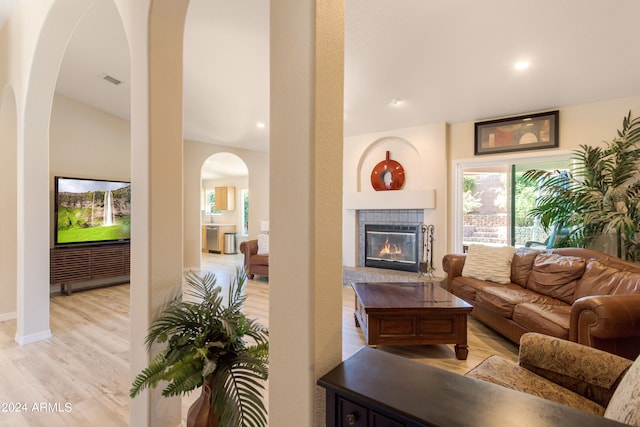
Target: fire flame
column 389, row 249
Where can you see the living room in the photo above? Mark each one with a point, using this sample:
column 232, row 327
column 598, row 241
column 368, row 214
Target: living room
column 580, row 123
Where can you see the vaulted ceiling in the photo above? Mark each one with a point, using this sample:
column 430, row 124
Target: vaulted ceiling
column 442, row 61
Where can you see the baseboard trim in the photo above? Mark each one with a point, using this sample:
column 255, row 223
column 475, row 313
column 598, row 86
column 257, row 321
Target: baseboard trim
column 31, row 338
column 8, row 316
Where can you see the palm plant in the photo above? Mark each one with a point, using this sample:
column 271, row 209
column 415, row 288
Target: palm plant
column 207, row 344
column 600, row 196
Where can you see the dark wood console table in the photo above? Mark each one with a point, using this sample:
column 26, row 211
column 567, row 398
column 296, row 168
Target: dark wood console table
column 83, row 263
column 378, row 389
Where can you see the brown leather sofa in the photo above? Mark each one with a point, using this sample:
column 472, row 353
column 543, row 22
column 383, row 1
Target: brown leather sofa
column 600, row 308
column 254, row 263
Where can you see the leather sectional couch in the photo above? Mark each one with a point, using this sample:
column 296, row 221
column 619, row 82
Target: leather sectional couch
column 575, row 294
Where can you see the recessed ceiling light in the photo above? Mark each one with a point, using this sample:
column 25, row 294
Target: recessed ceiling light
column 396, row 101
column 521, row 65
column 260, row 125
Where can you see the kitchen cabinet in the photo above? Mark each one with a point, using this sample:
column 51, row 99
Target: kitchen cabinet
column 225, row 198
column 219, row 230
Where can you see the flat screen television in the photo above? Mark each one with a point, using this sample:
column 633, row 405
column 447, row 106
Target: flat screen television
column 91, row 211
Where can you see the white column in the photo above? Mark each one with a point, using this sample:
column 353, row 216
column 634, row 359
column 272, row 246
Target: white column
column 305, row 266
column 157, row 189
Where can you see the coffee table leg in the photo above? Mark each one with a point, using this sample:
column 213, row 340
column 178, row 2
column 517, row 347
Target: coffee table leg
column 462, row 351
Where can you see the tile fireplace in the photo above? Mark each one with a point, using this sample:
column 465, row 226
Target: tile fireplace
column 392, row 246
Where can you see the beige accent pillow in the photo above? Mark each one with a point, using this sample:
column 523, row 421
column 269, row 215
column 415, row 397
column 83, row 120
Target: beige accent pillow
column 492, row 263
column 263, row 244
column 624, row 405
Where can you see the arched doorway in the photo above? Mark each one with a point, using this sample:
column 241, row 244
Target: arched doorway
column 225, row 210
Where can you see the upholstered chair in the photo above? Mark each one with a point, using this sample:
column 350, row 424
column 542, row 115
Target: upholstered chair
column 572, row 374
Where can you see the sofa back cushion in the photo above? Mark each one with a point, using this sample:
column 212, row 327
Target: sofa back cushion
column 629, row 284
column 556, row 275
column 491, row 263
column 624, row 405
column 522, row 265
column 598, row 279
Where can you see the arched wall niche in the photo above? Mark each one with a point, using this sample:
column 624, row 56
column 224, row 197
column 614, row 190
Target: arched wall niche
column 401, row 150
column 8, row 215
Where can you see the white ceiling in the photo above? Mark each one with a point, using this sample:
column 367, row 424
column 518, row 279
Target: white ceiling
column 446, row 60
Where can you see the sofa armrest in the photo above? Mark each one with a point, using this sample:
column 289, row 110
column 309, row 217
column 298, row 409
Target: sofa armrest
column 452, row 264
column 590, row 372
column 250, row 247
column 605, row 317
column 607, row 322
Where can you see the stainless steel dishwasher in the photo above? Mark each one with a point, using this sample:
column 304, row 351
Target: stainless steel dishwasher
column 213, row 243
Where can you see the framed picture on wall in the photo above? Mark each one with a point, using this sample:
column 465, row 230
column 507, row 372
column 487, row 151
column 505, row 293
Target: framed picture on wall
column 529, row 132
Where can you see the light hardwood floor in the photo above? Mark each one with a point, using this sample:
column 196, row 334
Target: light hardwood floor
column 85, row 364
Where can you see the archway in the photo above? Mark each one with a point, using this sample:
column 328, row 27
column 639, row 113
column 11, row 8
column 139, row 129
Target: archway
column 225, row 175
column 33, row 223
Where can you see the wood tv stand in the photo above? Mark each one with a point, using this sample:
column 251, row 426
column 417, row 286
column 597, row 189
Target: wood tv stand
column 68, row 265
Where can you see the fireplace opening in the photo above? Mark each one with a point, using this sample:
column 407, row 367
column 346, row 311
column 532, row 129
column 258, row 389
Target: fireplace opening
column 394, row 247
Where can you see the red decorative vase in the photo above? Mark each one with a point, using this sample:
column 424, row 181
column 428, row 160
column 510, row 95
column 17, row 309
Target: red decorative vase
column 200, row 413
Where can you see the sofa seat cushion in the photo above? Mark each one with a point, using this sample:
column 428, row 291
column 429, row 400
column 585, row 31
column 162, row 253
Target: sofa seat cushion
column 467, row 287
column 498, row 370
column 502, row 299
column 544, row 318
column 260, row 259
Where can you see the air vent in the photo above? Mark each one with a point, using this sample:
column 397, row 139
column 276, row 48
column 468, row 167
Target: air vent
column 111, row 79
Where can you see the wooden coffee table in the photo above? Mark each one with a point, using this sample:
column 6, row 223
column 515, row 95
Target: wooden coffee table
column 411, row 313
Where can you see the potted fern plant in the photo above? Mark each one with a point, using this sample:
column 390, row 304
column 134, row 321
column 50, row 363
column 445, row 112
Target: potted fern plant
column 213, row 345
column 600, row 196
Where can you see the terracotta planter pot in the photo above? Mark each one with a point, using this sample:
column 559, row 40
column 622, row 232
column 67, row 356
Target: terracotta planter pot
column 200, row 413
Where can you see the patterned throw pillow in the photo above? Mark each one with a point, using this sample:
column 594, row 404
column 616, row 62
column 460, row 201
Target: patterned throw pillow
column 491, row 263
column 624, row 405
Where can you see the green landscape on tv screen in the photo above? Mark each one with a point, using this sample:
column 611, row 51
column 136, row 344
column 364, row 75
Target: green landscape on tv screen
column 91, row 211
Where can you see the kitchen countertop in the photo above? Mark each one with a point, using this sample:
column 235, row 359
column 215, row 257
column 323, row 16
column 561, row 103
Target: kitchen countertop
column 218, row 224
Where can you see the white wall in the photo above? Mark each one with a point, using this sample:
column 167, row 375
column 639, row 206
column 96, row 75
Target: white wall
column 86, row 142
column 421, row 151
column 8, row 214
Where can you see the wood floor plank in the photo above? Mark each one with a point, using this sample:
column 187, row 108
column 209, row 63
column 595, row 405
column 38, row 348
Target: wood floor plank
column 86, row 362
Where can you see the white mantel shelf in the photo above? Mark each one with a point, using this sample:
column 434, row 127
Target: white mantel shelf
column 392, row 199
